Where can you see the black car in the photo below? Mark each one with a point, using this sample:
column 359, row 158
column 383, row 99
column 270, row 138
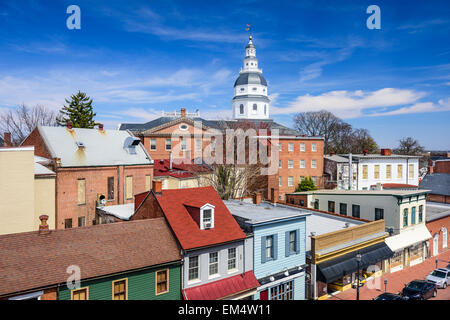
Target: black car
column 389, row 296
column 419, row 290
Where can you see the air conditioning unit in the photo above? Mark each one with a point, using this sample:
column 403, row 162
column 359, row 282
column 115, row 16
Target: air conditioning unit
column 207, row 225
column 101, row 200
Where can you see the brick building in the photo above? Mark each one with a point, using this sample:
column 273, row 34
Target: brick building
column 438, row 224
column 93, row 167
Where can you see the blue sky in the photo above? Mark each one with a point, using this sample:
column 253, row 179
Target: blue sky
column 137, row 58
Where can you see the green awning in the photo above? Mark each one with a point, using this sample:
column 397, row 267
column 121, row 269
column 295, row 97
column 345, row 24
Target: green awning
column 337, row 268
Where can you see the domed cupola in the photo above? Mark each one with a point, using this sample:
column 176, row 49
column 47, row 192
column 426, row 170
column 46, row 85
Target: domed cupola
column 250, row 89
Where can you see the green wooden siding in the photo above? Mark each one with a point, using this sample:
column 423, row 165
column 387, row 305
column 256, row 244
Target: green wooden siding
column 141, row 285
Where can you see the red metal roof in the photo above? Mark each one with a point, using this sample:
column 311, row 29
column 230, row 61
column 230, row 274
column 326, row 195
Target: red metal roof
column 173, row 203
column 223, row 288
column 161, row 168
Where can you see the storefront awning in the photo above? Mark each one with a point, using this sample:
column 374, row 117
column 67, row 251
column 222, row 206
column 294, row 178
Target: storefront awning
column 221, row 289
column 337, row 268
column 408, row 238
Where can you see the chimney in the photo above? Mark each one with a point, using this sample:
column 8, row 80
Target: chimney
column 157, row 186
column 43, row 227
column 385, row 152
column 69, row 125
column 100, row 126
column 7, row 138
column 331, row 153
column 257, row 198
column 183, row 112
column 365, row 152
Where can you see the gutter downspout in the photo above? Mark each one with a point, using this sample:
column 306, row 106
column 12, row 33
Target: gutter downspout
column 123, row 184
column 350, row 172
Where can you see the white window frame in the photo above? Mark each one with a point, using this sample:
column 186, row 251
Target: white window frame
column 214, row 264
column 290, row 164
column 290, row 146
column 313, row 147
column 233, row 260
column 197, row 267
column 290, row 181
column 302, row 147
column 202, row 219
column 313, row 163
column 302, row 164
column 165, row 146
column 151, row 144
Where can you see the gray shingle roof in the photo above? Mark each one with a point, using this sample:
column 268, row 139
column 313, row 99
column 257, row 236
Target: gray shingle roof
column 250, row 78
column 438, row 183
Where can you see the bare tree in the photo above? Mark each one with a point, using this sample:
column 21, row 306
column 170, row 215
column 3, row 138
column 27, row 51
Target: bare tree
column 409, row 146
column 22, row 120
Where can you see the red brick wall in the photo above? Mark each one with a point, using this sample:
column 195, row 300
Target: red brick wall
column 96, row 182
column 438, row 198
column 436, row 227
column 442, row 167
column 35, row 139
column 297, row 198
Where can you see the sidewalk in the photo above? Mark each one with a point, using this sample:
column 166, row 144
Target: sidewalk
column 397, row 280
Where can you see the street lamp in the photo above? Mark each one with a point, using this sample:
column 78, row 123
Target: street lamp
column 385, row 285
column 358, row 260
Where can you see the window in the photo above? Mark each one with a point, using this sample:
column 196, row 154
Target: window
column 420, row 213
column 183, row 144
column 301, row 202
column 356, row 210
column 413, row 215
column 302, row 163
column 364, row 171
column 207, row 219
column 388, row 171
column 255, row 107
column 129, row 186
column 284, row 291
column 193, row 271
column 290, row 146
column 254, row 89
column 81, row 191
column 399, row 171
column 302, row 147
column 280, row 162
column 405, row 217
column 290, row 164
column 269, row 248
column 67, row 223
column 110, row 188
column 411, row 171
column 280, row 181
column 148, row 182
column 314, row 180
column 81, row 221
column 376, row 171
column 183, row 126
column 152, row 144
column 330, row 206
column 213, row 263
column 162, row 281
column 343, row 208
column 314, row 147
column 120, row 290
column 291, row 242
column 290, row 181
column 314, row 164
column 316, row 204
column 231, row 259
column 242, row 89
column 241, row 107
column 168, row 144
column 379, row 214
column 80, row 294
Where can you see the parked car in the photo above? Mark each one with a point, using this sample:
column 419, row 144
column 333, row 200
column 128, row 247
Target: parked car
column 439, row 277
column 448, row 267
column 389, row 296
column 419, row 290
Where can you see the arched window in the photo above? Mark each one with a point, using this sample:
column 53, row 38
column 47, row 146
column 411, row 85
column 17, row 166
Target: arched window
column 241, row 109
column 255, row 107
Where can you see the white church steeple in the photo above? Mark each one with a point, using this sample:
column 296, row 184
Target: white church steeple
column 250, row 99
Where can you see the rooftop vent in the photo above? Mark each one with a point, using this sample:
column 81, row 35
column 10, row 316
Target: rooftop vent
column 80, row 145
column 347, row 225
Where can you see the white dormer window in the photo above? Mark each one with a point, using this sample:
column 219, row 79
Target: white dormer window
column 207, row 217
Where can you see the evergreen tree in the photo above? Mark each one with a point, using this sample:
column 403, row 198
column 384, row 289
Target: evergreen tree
column 306, row 184
column 79, row 112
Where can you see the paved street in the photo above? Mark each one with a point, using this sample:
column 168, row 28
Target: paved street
column 397, row 280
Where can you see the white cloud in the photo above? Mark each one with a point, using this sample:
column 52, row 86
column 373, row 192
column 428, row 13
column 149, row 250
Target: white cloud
column 354, row 104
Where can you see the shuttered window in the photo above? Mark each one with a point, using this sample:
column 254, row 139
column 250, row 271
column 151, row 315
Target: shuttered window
column 120, row 290
column 269, row 248
column 162, row 281
column 80, row 294
column 292, row 242
column 388, row 171
column 399, row 171
column 376, row 172
column 364, row 172
column 148, row 182
column 411, row 171
column 129, row 187
column 81, row 191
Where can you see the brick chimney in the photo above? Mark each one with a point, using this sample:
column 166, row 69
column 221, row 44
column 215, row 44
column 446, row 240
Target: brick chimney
column 183, row 112
column 43, row 227
column 157, row 186
column 365, row 152
column 385, row 152
column 257, row 198
column 69, row 125
column 331, row 153
column 100, row 126
column 7, row 139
